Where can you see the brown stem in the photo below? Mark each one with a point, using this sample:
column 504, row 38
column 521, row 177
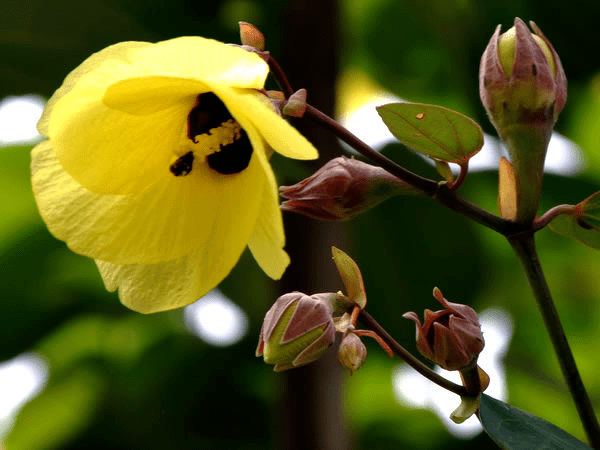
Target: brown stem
column 471, row 380
column 551, row 214
column 370, row 322
column 378, row 338
column 464, row 169
column 279, row 74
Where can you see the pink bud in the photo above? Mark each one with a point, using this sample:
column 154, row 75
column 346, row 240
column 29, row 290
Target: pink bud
column 342, row 189
column 523, row 87
column 297, row 330
column 521, row 78
column 450, row 337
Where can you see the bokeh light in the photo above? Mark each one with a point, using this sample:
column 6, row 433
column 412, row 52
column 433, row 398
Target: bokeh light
column 21, row 379
column 216, row 319
column 18, row 119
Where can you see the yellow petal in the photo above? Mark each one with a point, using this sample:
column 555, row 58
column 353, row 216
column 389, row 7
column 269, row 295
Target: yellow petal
column 278, row 133
column 89, row 70
column 205, row 60
column 268, row 239
column 172, row 218
column 112, row 152
column 147, row 95
column 102, row 147
column 149, row 288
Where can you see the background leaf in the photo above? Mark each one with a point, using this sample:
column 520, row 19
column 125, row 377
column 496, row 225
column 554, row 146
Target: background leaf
column 435, row 131
column 515, row 429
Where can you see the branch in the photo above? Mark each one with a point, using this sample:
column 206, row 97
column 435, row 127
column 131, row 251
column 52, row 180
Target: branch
column 440, row 192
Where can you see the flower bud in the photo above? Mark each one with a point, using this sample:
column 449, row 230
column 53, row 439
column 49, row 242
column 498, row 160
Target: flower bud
column 296, row 104
column 297, row 330
column 251, row 36
column 450, row 337
column 352, row 352
column 523, row 87
column 342, row 189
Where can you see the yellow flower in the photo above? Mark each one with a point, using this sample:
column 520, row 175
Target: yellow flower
column 156, row 165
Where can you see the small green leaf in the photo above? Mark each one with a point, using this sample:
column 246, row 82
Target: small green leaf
column 435, row 131
column 514, row 429
column 351, row 276
column 571, row 227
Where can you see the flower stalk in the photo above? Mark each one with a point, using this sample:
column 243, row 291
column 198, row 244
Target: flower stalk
column 409, row 358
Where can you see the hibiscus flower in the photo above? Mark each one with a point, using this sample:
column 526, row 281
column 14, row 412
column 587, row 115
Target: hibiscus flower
column 156, row 165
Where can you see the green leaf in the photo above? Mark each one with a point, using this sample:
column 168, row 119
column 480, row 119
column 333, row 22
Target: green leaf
column 590, row 210
column 514, row 429
column 570, row 227
column 62, row 411
column 435, row 131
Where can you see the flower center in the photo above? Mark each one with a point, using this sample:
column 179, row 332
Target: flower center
column 216, row 134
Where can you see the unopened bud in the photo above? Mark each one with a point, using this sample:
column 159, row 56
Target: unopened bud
column 296, row 104
column 352, row 352
column 297, row 330
column 342, row 189
column 523, row 87
column 251, row 36
column 450, row 337
column 521, row 78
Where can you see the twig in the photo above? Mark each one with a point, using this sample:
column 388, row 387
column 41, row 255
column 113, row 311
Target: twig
column 551, row 214
column 371, row 323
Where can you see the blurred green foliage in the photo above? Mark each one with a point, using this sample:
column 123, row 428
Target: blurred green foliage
column 123, row 380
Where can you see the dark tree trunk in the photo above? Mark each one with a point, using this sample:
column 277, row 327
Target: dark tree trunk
column 312, row 415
